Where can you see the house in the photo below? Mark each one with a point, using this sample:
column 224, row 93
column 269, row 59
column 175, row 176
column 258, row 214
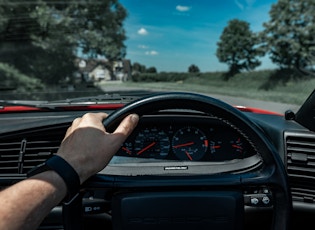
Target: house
column 122, row 70
column 101, row 70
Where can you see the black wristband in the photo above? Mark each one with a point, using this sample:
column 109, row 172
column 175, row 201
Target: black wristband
column 63, row 169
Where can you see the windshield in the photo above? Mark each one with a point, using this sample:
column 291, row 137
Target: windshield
column 58, row 50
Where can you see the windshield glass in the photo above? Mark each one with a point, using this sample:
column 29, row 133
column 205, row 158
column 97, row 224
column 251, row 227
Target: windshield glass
column 258, row 49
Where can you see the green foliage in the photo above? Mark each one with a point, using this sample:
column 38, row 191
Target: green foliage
column 137, row 67
column 193, row 69
column 42, row 40
column 263, row 85
column 238, row 47
column 13, row 79
column 151, row 70
column 160, row 77
column 289, row 35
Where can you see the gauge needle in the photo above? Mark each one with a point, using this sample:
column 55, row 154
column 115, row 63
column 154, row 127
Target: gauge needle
column 182, row 145
column 146, row 148
column 126, row 150
column 237, row 146
column 188, row 155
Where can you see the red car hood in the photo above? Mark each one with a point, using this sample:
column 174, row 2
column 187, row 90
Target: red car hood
column 19, row 108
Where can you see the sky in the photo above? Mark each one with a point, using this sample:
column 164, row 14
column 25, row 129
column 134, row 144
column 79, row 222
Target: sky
column 171, row 35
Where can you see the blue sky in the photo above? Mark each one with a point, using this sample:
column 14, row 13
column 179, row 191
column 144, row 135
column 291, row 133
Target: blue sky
column 173, row 34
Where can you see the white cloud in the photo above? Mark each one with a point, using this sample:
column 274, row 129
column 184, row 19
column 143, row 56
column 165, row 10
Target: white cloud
column 244, row 4
column 143, row 47
column 151, row 53
column 182, row 8
column 142, row 31
column 239, row 5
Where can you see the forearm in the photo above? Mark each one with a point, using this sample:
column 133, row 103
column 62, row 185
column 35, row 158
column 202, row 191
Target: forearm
column 87, row 148
column 25, row 204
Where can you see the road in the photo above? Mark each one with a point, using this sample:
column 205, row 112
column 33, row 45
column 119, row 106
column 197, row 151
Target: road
column 236, row 101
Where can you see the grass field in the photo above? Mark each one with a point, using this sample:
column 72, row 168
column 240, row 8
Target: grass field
column 264, row 85
column 261, row 85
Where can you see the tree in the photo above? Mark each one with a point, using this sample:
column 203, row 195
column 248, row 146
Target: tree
column 238, row 47
column 137, row 67
column 193, row 69
column 290, row 34
column 14, row 80
column 52, row 34
column 151, row 69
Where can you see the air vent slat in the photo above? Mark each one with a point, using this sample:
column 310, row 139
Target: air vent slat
column 13, row 156
column 4, row 150
column 302, row 150
column 6, row 162
column 22, row 151
column 300, row 156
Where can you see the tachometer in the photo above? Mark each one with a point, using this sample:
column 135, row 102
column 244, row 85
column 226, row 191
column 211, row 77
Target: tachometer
column 189, row 143
column 152, row 143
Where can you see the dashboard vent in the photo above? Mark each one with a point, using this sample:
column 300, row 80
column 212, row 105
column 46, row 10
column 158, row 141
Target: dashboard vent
column 22, row 151
column 300, row 152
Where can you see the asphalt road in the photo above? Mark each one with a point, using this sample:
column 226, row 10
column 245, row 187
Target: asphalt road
column 266, row 105
column 236, row 101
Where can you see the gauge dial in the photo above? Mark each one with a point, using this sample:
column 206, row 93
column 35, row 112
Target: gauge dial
column 237, row 145
column 189, row 143
column 126, row 149
column 152, row 143
column 227, row 144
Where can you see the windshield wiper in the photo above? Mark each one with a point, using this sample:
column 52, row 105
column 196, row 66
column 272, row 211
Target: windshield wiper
column 30, row 103
column 113, row 97
column 117, row 96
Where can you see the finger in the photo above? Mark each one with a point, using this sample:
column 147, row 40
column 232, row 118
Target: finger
column 72, row 127
column 88, row 117
column 92, row 120
column 75, row 122
column 102, row 116
column 127, row 125
column 87, row 120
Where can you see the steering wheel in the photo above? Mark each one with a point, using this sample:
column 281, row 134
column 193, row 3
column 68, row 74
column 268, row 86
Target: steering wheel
column 197, row 201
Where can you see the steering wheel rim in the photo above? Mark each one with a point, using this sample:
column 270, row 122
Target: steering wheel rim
column 273, row 172
column 209, row 105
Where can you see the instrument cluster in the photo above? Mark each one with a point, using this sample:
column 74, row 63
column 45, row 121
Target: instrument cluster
column 186, row 138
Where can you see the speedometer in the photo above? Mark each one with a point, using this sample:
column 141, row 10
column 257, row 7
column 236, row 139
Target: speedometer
column 189, row 143
column 152, row 143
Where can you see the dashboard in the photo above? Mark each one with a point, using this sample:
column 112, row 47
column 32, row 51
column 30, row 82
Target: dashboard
column 184, row 143
column 187, row 138
column 169, row 151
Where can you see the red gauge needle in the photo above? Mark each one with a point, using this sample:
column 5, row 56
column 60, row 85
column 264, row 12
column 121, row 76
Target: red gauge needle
column 146, row 148
column 126, row 150
column 188, row 155
column 182, row 145
column 237, row 146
